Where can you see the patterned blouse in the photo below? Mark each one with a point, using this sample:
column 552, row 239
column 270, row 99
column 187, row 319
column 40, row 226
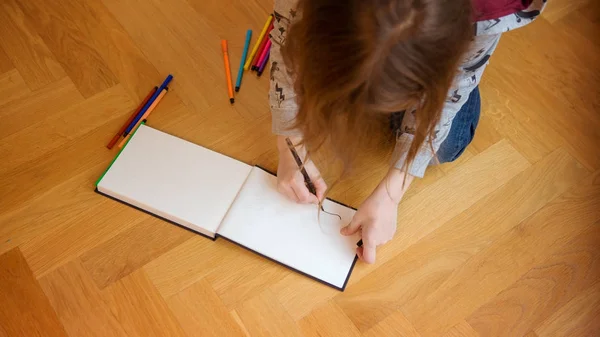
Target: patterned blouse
column 282, row 98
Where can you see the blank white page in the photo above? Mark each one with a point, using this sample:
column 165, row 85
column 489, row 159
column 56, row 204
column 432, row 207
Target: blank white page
column 263, row 220
column 175, row 179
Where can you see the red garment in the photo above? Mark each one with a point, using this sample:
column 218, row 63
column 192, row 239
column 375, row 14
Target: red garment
column 493, row 9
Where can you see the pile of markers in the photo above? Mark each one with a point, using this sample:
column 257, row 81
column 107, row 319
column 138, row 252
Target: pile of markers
column 256, row 61
column 140, row 114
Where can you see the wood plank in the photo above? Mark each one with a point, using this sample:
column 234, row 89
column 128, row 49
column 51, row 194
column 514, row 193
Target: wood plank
column 502, row 112
column 559, row 9
column 46, row 101
column 462, row 329
column 418, row 216
column 129, row 64
column 559, row 111
column 198, row 56
column 424, row 266
column 588, row 18
column 226, row 22
column 244, row 276
column 236, row 16
column 78, row 303
column 486, row 172
column 105, row 220
column 582, row 24
column 119, row 52
column 395, row 324
column 508, row 258
column 486, row 134
column 65, row 32
column 58, row 205
column 187, row 264
column 131, row 249
column 12, row 87
column 58, row 129
column 5, row 62
column 140, row 309
column 542, row 290
column 238, row 320
column 201, row 313
column 25, row 310
column 328, row 320
column 37, row 177
column 26, row 49
column 263, row 315
column 183, row 49
column 578, row 318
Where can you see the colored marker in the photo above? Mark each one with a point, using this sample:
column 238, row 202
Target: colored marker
column 264, row 64
column 122, row 129
column 150, row 101
column 145, row 115
column 257, row 43
column 238, row 82
column 227, row 70
column 254, row 64
column 262, row 57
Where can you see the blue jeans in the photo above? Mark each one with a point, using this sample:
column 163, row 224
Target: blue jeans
column 462, row 130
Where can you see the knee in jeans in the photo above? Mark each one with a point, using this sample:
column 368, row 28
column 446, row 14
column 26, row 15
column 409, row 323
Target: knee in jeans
column 451, row 155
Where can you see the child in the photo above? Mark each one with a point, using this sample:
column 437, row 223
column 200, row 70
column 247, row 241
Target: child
column 339, row 67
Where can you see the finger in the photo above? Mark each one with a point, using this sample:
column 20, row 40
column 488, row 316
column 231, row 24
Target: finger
column 352, row 228
column 288, row 192
column 368, row 252
column 359, row 252
column 304, row 196
column 321, row 187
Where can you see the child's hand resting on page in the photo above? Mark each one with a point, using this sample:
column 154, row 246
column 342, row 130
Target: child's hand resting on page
column 290, row 181
column 377, row 216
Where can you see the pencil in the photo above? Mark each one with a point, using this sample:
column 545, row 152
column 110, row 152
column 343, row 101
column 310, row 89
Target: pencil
column 260, row 37
column 307, row 181
column 227, row 70
column 238, row 83
column 264, row 64
column 309, row 184
column 122, row 129
column 150, row 101
column 254, row 64
column 145, row 115
column 263, row 55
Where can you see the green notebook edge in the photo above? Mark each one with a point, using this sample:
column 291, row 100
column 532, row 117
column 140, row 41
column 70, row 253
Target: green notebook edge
column 118, row 154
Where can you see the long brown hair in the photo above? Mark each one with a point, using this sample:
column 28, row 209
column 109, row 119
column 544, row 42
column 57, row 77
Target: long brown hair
column 355, row 62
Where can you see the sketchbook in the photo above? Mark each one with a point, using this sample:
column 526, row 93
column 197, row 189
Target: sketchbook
column 218, row 196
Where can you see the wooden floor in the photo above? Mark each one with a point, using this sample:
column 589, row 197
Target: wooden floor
column 505, row 242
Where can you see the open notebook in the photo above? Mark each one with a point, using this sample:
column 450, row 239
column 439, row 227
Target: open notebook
column 215, row 195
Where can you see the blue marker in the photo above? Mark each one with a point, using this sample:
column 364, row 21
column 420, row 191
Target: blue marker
column 148, row 104
column 244, row 55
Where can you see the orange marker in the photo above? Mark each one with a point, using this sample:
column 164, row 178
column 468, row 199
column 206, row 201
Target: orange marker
column 227, row 70
column 145, row 115
column 130, row 119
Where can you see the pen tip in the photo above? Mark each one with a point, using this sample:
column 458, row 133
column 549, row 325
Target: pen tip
column 231, row 100
column 237, row 89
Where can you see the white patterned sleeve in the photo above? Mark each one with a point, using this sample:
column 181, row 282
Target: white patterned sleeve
column 282, row 97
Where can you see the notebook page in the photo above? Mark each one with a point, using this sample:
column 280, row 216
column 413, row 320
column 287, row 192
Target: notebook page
column 263, row 220
column 175, row 179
